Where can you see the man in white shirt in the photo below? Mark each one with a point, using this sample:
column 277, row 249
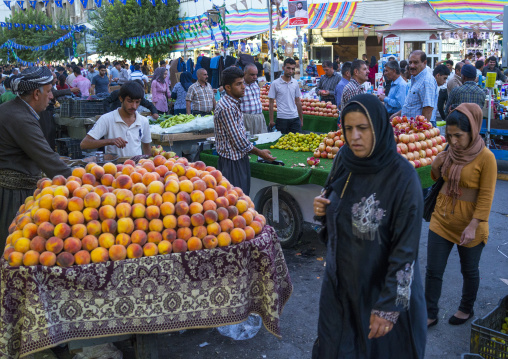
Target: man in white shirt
column 300, row 12
column 138, row 75
column 124, row 131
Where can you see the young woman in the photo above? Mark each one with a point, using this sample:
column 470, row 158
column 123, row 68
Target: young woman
column 462, row 209
column 372, row 303
column 61, row 85
column 180, row 91
column 160, row 90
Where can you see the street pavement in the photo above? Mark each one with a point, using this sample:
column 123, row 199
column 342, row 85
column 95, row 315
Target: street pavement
column 299, row 319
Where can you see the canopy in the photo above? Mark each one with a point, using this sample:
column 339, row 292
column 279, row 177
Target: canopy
column 465, row 13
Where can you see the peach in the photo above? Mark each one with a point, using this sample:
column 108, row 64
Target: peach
column 179, row 246
column 169, row 235
column 226, row 225
column 256, row 226
column 92, row 200
column 167, row 208
column 97, row 171
column 200, row 165
column 72, row 186
column 156, row 187
column 169, row 221
column 31, row 258
column 239, row 222
column 89, row 166
column 210, row 181
column 148, row 178
column 134, row 250
column 139, row 237
column 139, row 198
column 197, row 196
column 54, row 244
column 46, row 230
column 169, row 165
column 233, row 212
column 194, row 244
column 16, row 235
column 82, row 257
column 46, row 201
column 217, row 175
column 127, row 170
column 195, row 207
column 209, row 205
column 73, row 178
column 210, row 194
column 154, row 199
column 248, row 217
column 197, row 220
column 65, row 259
column 117, row 252
column 107, row 212
column 22, row 245
column 164, row 247
column 47, row 259
column 24, row 220
column 181, row 208
column 124, row 196
column 59, row 202
column 62, row 230
column 224, row 183
column 179, row 169
column 150, row 249
column 139, row 188
column 89, row 243
column 30, row 230
column 15, row 259
column 75, row 204
column 125, row 225
column 106, row 240
column 100, row 190
column 210, row 242
column 107, row 179
column 110, row 168
column 72, row 245
column 231, row 199
column 183, row 221
column 191, row 173
column 223, row 239
column 99, row 255
column 238, row 235
column 38, row 244
column 109, row 226
column 183, row 197
column 80, row 192
column 172, row 186
column 124, row 182
column 108, row 199
column 154, row 237
column 242, row 206
column 249, row 233
column 90, row 214
column 88, row 178
column 123, row 210
column 222, row 213
column 78, row 230
column 169, row 197
column 152, row 212
column 184, row 233
column 141, row 224
column 94, row 228
column 261, row 219
column 221, row 191
column 41, row 215
column 199, row 185
column 78, row 172
column 222, row 202
column 211, row 216
column 137, row 210
column 137, row 178
column 161, row 170
column 58, row 216
column 186, row 186
column 213, row 229
column 199, row 232
column 59, row 180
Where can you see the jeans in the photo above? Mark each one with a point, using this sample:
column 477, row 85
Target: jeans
column 286, row 126
column 438, row 251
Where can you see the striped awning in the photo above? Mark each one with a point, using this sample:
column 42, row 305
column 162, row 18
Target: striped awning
column 466, row 13
column 324, row 16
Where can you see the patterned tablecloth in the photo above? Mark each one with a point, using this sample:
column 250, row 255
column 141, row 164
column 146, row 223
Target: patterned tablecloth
column 44, row 306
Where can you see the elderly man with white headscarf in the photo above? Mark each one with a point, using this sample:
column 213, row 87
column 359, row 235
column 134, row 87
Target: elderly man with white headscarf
column 24, row 152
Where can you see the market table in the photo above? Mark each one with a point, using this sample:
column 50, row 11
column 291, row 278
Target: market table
column 311, row 123
column 42, row 307
column 297, row 175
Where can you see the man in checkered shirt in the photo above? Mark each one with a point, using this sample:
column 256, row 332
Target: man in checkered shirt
column 252, row 109
column 359, row 75
column 200, row 97
column 231, row 141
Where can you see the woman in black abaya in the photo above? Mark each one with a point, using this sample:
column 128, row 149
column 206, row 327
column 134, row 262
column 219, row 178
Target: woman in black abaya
column 372, row 303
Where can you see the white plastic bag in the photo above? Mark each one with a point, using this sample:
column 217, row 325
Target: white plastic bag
column 103, row 351
column 244, row 330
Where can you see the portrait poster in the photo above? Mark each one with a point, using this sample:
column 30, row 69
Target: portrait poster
column 298, row 13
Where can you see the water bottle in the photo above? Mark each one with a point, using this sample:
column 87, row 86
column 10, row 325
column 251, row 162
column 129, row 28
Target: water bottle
column 99, row 156
column 244, row 330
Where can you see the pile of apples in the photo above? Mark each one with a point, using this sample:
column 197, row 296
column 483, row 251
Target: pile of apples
column 331, row 145
column 127, row 211
column 417, row 140
column 310, row 106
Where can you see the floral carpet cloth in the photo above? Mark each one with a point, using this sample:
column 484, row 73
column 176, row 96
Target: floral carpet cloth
column 44, row 306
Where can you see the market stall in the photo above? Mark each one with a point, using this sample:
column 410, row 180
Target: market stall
column 311, row 123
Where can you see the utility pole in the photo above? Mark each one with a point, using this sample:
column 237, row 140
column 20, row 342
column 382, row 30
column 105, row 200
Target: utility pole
column 300, row 50
column 269, row 5
column 504, row 52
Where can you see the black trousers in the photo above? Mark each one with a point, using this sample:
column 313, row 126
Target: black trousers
column 441, row 101
column 438, row 251
column 286, row 126
column 237, row 172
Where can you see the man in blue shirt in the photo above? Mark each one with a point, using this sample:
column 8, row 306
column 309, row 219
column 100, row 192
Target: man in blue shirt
column 398, row 88
column 441, row 73
column 115, row 73
column 346, row 76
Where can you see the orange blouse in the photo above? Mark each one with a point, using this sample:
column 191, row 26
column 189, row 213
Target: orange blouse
column 449, row 222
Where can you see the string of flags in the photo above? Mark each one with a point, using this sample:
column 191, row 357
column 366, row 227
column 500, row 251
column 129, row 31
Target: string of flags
column 59, row 3
column 20, row 61
column 13, row 45
column 39, row 27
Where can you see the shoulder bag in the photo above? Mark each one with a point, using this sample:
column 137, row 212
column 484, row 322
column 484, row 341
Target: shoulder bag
column 429, row 203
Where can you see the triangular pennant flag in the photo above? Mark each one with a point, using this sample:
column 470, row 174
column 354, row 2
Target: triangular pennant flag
column 71, row 1
column 235, row 8
column 58, row 3
column 84, row 3
column 43, row 27
column 16, row 25
column 341, row 24
column 21, row 4
column 98, row 3
column 476, row 28
column 7, row 3
column 244, row 3
column 165, row 2
column 33, row 4
column 153, row 2
column 366, row 32
column 379, row 37
column 31, row 26
column 353, row 27
column 488, row 23
column 23, row 26
column 45, row 2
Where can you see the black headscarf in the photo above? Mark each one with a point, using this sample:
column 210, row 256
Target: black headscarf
column 373, row 61
column 385, row 148
column 186, row 80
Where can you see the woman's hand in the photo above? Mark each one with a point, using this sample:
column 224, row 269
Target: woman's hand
column 320, row 204
column 469, row 233
column 379, row 327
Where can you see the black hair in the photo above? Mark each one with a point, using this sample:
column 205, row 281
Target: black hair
column 478, row 53
column 161, row 62
column 327, row 63
column 403, row 64
column 459, row 65
column 346, row 67
column 131, row 89
column 231, row 74
column 60, row 68
column 101, row 67
column 479, row 64
column 441, row 70
column 76, row 70
column 7, row 82
column 492, row 58
column 136, row 67
column 357, row 65
column 266, row 58
column 458, row 119
column 61, row 80
column 290, row 61
column 423, row 55
column 394, row 65
column 450, row 62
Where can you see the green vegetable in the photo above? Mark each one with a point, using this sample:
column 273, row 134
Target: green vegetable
column 177, row 120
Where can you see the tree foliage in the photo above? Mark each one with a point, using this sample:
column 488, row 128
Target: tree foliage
column 116, row 22
column 32, row 37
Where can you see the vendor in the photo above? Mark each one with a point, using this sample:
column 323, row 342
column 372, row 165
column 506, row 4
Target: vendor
column 311, row 69
column 327, row 83
column 24, row 152
column 112, row 102
column 251, row 106
column 125, row 131
column 231, row 141
column 491, row 67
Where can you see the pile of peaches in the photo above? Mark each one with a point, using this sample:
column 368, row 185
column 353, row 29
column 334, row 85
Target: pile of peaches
column 127, row 211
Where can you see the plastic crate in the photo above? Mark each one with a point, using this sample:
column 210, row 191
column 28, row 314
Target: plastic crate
column 486, row 337
column 69, row 147
column 66, row 108
column 87, row 108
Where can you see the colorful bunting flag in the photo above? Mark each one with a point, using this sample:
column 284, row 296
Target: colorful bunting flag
column 84, row 3
column 366, row 32
column 98, row 3
column 379, row 37
column 58, row 3
column 33, row 3
column 488, row 24
column 21, row 4
column 7, row 3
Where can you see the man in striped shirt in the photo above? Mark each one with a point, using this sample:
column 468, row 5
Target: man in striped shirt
column 231, row 141
column 251, row 107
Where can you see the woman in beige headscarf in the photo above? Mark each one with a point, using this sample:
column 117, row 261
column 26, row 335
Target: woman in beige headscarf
column 462, row 209
column 173, row 70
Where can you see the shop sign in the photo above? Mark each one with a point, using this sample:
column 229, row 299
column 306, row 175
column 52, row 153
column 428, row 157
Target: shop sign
column 392, row 45
column 298, row 13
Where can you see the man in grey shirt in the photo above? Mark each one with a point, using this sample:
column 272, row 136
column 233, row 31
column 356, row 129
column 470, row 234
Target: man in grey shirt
column 327, row 83
column 289, row 106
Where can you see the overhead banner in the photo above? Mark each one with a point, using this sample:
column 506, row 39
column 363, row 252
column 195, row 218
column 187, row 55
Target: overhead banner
column 298, row 14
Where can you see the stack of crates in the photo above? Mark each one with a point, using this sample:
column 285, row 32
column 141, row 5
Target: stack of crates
column 69, row 147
